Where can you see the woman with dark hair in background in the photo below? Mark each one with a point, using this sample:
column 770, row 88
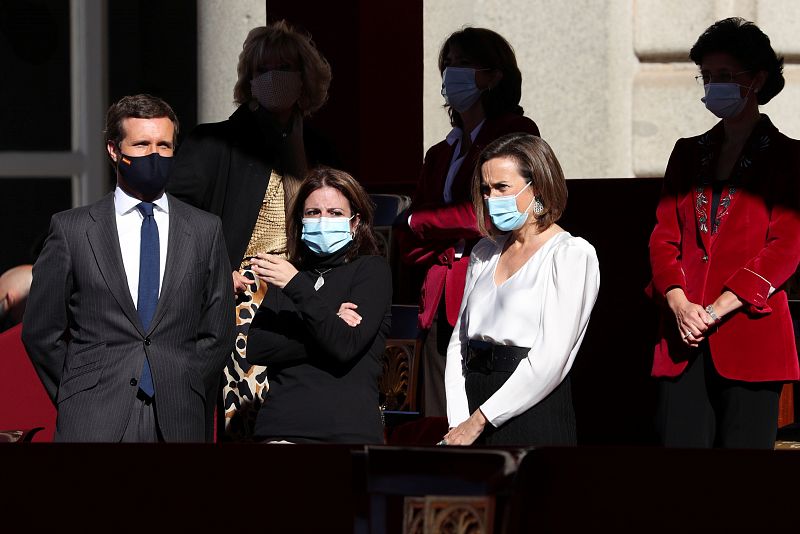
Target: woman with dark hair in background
column 530, row 290
column 321, row 330
column 726, row 241
column 247, row 169
column 482, row 86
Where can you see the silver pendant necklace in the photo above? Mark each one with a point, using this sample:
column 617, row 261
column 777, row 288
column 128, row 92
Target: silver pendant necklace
column 320, row 281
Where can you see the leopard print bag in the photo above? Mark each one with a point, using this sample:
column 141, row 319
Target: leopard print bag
column 245, row 385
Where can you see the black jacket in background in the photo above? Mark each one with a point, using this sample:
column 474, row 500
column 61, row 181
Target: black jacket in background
column 224, row 168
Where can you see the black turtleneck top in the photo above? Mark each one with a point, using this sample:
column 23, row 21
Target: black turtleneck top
column 323, row 373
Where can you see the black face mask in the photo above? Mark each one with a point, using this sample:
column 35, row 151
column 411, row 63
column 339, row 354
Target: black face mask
column 145, row 175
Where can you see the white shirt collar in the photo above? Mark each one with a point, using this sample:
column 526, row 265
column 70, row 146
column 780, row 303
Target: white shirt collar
column 125, row 203
column 455, row 133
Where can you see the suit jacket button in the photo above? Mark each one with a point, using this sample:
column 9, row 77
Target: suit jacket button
column 147, row 341
column 134, row 381
column 705, row 258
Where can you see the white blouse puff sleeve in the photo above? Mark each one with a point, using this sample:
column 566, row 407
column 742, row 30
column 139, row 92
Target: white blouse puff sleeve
column 565, row 299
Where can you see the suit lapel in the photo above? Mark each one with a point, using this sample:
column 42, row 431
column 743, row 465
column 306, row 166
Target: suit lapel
column 178, row 247
column 462, row 182
column 708, row 147
column 244, row 196
column 727, row 198
column 440, row 173
column 104, row 241
column 488, row 133
column 750, row 162
column 702, row 213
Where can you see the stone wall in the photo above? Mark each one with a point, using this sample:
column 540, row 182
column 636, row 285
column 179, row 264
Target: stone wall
column 609, row 82
column 222, row 26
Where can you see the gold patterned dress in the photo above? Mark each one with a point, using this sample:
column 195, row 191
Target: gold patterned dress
column 246, row 385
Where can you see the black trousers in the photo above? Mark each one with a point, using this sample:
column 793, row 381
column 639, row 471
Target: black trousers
column 702, row 409
column 434, row 360
column 550, row 422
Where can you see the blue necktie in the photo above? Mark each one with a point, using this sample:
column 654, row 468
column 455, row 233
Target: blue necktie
column 148, row 283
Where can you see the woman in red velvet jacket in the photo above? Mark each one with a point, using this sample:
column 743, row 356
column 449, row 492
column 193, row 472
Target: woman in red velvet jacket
column 482, row 86
column 726, row 241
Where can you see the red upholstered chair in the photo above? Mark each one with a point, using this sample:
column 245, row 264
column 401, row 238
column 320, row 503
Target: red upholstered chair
column 24, row 404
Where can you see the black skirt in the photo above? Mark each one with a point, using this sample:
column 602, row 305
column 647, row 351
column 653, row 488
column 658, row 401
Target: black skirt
column 550, row 422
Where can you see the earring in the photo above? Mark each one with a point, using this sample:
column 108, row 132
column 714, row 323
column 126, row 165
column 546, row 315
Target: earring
column 538, row 207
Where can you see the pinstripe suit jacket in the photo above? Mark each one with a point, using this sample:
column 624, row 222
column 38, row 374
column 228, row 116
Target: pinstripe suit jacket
column 84, row 336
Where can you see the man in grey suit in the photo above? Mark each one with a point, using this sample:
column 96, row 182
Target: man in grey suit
column 130, row 317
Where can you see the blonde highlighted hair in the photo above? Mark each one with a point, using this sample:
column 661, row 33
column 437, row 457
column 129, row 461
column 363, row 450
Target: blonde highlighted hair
column 290, row 46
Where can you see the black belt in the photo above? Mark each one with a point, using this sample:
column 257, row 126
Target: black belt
column 485, row 357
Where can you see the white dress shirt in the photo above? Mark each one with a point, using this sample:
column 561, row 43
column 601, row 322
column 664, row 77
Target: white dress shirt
column 545, row 305
column 129, row 232
column 454, row 138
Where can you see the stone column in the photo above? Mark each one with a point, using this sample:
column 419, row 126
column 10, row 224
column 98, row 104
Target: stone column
column 221, row 29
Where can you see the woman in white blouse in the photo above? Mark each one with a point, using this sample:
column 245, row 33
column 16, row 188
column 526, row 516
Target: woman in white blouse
column 530, row 289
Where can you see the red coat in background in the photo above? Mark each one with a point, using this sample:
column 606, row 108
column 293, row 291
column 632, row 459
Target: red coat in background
column 436, row 227
column 752, row 243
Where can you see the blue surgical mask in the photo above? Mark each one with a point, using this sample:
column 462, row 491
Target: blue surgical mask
column 459, row 88
column 724, row 100
column 145, row 175
column 504, row 213
column 326, row 235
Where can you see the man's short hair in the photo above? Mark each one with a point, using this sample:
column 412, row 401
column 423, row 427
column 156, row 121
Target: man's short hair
column 141, row 106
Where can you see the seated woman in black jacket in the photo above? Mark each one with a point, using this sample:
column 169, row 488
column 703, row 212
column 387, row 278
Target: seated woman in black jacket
column 322, row 328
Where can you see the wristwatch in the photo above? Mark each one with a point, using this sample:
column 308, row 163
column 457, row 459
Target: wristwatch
column 712, row 313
